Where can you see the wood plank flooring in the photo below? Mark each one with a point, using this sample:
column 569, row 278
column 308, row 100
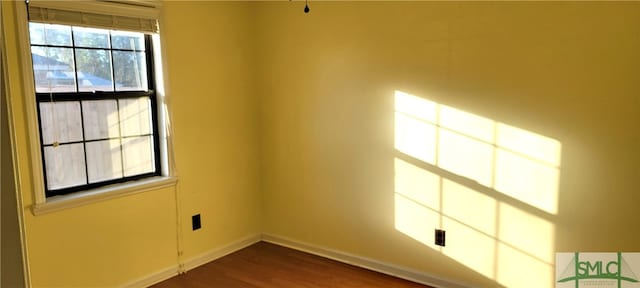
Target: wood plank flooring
column 266, row 265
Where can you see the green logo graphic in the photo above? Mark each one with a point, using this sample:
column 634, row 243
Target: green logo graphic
column 577, row 270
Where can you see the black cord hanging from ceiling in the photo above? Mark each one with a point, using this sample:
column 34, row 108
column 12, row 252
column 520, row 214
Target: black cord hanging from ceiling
column 306, row 6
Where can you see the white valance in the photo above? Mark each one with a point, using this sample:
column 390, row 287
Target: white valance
column 131, row 15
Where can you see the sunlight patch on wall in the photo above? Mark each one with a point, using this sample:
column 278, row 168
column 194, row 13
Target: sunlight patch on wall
column 417, row 202
column 415, row 137
column 466, row 157
column 477, row 210
column 411, row 218
column 518, row 269
column 518, row 163
column 470, row 247
column 526, row 232
column 417, row 184
column 506, row 243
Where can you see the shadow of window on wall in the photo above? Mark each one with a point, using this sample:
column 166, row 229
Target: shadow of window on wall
column 493, row 188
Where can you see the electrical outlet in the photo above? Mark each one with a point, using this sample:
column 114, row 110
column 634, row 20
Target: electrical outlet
column 195, row 222
column 440, row 237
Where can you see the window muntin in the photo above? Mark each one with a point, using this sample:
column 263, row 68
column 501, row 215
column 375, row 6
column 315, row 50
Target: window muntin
column 96, row 106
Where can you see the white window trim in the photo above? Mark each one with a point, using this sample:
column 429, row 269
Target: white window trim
column 62, row 202
column 43, row 205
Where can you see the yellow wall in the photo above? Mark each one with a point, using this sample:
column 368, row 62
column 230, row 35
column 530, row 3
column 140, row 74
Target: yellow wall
column 105, row 244
column 211, row 81
column 284, row 124
column 567, row 71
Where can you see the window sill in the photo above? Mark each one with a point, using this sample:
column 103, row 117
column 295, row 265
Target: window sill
column 58, row 203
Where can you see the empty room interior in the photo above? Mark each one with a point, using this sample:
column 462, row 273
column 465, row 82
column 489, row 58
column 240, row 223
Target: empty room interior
column 352, row 132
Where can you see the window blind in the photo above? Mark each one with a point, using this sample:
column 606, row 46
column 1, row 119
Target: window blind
column 139, row 16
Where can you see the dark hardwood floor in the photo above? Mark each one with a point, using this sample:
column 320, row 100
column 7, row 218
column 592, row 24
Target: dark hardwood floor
column 268, row 265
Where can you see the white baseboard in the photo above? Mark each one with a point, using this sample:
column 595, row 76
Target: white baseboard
column 375, row 265
column 220, row 252
column 367, row 263
column 192, row 263
column 153, row 278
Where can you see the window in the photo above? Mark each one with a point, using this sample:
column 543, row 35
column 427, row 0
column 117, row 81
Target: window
column 96, row 106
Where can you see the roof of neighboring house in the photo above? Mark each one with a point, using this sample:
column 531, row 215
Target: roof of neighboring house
column 95, row 80
column 59, row 74
column 42, row 60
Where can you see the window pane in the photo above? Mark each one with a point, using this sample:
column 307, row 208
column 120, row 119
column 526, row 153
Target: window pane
column 100, row 119
column 137, row 154
column 65, row 166
column 53, row 69
column 135, row 116
column 130, row 69
column 104, row 161
column 36, row 33
column 92, row 138
column 60, row 122
column 88, row 37
column 59, row 35
column 127, row 40
column 94, row 70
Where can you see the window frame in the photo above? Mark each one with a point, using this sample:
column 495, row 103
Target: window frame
column 80, row 96
column 30, row 153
